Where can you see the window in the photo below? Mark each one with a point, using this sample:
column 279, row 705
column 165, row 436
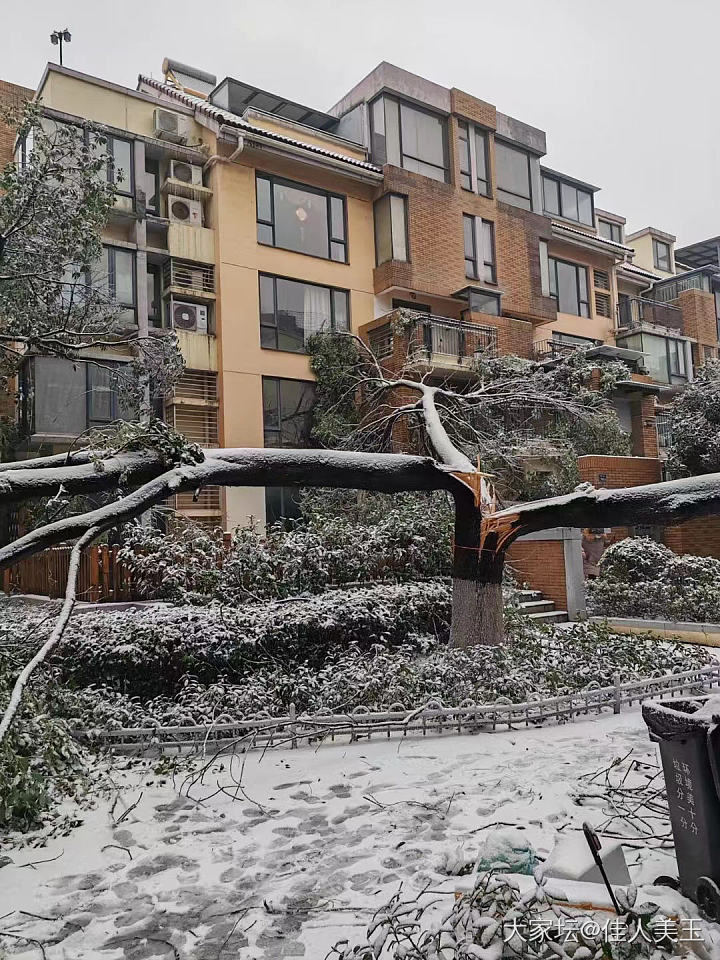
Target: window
column 484, row 301
column 573, row 340
column 566, row 200
column 287, row 412
column 610, row 231
column 391, row 233
column 664, row 357
column 300, row 218
column 513, row 175
column 115, row 274
column 154, row 295
column 65, row 397
column 103, row 402
column 661, row 255
column 569, row 287
column 120, row 167
column 150, row 184
column 292, row 311
column 464, row 156
column 409, row 137
column 479, row 241
column 473, row 154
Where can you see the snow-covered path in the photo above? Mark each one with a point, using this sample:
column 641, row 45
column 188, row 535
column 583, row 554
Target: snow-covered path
column 321, row 838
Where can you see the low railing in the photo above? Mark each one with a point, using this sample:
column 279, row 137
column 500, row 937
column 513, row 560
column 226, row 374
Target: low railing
column 555, row 349
column 635, row 311
column 430, row 719
column 437, row 339
column 198, row 278
column 666, row 290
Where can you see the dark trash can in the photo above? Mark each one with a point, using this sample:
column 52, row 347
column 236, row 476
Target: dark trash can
column 688, row 732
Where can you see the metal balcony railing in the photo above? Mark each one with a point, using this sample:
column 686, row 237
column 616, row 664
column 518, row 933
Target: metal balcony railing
column 634, row 311
column 442, row 339
column 555, row 349
column 664, row 430
column 195, row 278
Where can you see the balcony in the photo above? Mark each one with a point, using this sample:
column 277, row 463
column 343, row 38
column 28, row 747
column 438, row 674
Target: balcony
column 444, row 344
column 633, row 312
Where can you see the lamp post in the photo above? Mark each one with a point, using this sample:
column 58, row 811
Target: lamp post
column 58, row 36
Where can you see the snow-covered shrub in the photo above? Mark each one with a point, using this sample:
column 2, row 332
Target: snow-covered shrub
column 537, row 662
column 148, row 651
column 642, row 578
column 398, row 538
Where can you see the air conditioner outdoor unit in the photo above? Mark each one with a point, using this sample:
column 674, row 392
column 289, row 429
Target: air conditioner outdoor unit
column 189, row 316
column 190, row 173
column 185, row 211
column 170, row 126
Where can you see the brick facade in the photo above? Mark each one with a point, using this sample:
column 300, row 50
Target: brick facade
column 11, row 95
column 644, row 426
column 700, row 537
column 699, row 321
column 619, row 471
column 541, row 564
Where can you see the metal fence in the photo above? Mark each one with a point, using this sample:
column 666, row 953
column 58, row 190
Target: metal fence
column 430, row 719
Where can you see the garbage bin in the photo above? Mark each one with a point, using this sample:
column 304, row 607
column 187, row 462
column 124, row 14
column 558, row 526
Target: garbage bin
column 688, row 732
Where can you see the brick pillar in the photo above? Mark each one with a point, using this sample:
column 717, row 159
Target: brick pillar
column 644, row 431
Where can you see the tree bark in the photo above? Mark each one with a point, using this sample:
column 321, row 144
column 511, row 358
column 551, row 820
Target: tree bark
column 477, row 601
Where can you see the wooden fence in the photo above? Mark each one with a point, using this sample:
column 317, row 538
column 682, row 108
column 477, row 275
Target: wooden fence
column 431, row 719
column 101, row 577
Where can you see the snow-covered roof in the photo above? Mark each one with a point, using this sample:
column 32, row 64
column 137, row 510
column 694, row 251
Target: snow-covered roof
column 637, row 273
column 225, row 117
column 563, row 231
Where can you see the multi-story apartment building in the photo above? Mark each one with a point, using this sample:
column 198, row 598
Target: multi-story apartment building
column 249, row 221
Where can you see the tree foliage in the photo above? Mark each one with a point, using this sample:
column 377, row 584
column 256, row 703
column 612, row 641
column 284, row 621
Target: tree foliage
column 54, row 295
column 695, row 424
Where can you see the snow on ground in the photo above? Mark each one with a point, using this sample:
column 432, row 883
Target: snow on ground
column 321, row 838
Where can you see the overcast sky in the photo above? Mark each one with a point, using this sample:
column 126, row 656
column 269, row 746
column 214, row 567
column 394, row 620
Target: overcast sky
column 626, row 90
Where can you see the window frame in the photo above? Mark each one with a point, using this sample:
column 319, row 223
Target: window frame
column 318, row 191
column 406, row 226
column 553, row 277
column 471, row 134
column 511, row 193
column 274, row 277
column 111, row 366
column 400, row 102
column 277, row 381
column 488, row 259
column 559, row 183
column 613, row 228
column 656, row 243
column 111, row 251
column 111, row 138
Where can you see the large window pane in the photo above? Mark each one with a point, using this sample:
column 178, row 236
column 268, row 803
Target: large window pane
column 569, row 200
column 585, row 210
column 391, row 228
column 287, row 412
column 59, row 396
column 123, row 277
column 551, row 196
column 567, row 291
column 513, row 175
column 464, row 156
column 292, row 311
column 423, row 142
column 481, row 162
column 300, row 218
column 392, row 132
column 471, row 270
column 120, row 165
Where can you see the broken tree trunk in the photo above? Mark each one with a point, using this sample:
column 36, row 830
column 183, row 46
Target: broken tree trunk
column 477, row 601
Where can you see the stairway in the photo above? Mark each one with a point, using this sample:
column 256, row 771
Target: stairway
column 536, row 607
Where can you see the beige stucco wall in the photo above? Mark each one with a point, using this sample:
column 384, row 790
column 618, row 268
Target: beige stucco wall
column 240, row 258
column 644, row 254
column 117, row 108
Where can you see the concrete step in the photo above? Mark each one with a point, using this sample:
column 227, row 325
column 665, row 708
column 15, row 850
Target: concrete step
column 552, row 616
column 529, row 594
column 537, row 606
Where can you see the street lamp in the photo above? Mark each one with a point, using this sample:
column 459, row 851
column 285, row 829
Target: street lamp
column 58, row 36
